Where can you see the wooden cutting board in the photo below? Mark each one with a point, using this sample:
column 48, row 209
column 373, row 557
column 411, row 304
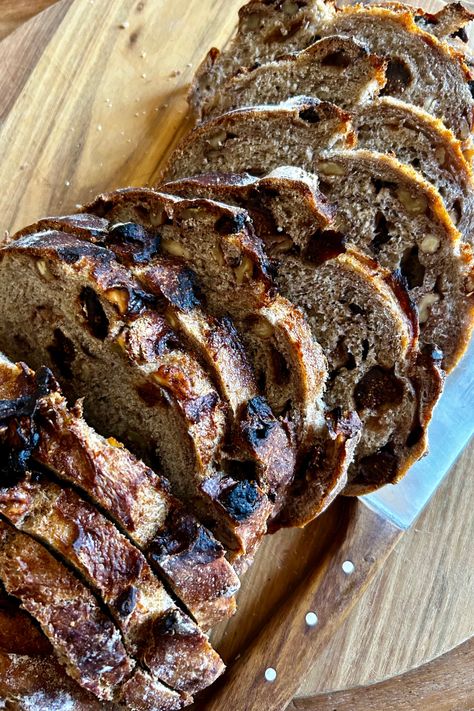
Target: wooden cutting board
column 92, row 96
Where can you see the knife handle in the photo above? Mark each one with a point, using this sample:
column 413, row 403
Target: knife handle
column 271, row 670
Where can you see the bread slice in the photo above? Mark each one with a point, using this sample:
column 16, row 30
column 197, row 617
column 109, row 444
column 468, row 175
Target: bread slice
column 421, row 69
column 333, row 69
column 305, row 126
column 84, row 639
column 387, row 210
column 180, row 549
column 214, row 341
column 154, row 630
column 266, row 30
column 84, row 306
column 411, row 134
column 361, row 316
column 221, row 246
column 449, row 21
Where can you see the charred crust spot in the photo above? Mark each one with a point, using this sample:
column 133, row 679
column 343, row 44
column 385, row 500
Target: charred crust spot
column 127, row 601
column 231, row 224
column 62, row 353
column 94, row 313
column 201, row 406
column 132, row 243
column 258, row 422
column 338, row 59
column 399, row 77
column 379, row 388
column 381, row 232
column 184, row 292
column 324, row 246
column 310, row 114
column 412, row 269
column 138, row 301
column 377, row 468
column 167, row 624
column 242, row 500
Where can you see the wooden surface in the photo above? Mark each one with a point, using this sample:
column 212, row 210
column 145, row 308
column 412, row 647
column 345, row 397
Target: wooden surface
column 445, row 684
column 92, row 95
column 14, row 13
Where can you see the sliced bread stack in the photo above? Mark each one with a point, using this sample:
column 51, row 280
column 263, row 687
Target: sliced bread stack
column 269, row 328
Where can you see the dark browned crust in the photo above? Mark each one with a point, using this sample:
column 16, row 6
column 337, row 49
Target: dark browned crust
column 81, row 635
column 120, row 575
column 206, row 584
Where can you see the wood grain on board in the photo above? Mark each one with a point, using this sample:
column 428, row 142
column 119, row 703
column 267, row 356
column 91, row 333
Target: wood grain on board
column 14, row 13
column 92, row 96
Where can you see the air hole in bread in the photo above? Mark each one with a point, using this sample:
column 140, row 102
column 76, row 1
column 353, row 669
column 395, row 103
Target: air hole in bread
column 152, row 395
column 62, row 353
column 415, row 435
column 378, row 389
column 325, row 245
column 341, row 357
column 240, row 470
column 337, row 59
column 381, row 232
column 464, row 37
column 280, row 369
column 356, row 309
column 399, row 77
column 365, row 349
column 280, row 35
column 412, row 269
column 310, row 114
column 94, row 313
column 230, row 224
column 457, row 211
column 382, row 185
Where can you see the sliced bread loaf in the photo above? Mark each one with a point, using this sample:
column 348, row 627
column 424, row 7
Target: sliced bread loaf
column 421, row 69
column 132, row 495
column 336, row 69
column 360, row 314
column 214, row 341
column 267, row 29
column 220, row 244
column 411, row 134
column 137, row 381
column 154, row 629
column 385, row 209
column 303, row 125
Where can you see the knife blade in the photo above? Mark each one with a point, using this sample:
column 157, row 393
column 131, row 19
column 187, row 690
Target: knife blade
column 269, row 673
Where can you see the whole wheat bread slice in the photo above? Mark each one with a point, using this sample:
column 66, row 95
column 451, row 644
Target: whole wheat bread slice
column 154, row 630
column 335, row 69
column 303, row 125
column 361, row 316
column 266, row 31
column 181, row 550
column 155, row 391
